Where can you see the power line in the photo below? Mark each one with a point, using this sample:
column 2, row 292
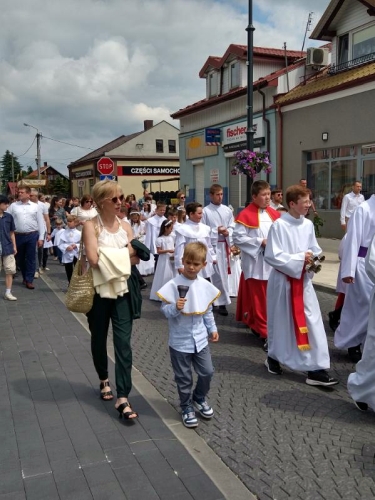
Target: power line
column 19, row 156
column 62, row 142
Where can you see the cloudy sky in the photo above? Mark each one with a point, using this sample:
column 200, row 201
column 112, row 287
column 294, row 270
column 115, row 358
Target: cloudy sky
column 85, row 72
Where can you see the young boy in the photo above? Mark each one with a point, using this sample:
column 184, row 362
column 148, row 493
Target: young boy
column 250, row 235
column 152, row 229
column 8, row 248
column 55, row 237
column 189, row 321
column 296, row 335
column 69, row 245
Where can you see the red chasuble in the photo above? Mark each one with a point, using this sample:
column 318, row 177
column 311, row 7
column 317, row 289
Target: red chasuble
column 249, row 216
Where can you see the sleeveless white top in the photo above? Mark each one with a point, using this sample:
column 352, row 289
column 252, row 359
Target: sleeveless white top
column 119, row 239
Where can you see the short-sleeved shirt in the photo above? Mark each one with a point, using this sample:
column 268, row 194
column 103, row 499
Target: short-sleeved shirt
column 6, row 227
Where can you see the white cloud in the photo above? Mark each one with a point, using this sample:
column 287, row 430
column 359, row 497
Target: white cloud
column 86, row 72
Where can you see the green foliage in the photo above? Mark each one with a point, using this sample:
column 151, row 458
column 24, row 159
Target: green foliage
column 59, row 186
column 318, row 222
column 6, row 171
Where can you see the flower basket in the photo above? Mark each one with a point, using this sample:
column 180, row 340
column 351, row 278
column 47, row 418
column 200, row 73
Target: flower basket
column 251, row 163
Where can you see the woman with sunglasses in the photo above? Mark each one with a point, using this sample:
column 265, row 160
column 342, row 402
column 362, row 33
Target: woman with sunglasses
column 85, row 211
column 106, row 230
column 181, row 198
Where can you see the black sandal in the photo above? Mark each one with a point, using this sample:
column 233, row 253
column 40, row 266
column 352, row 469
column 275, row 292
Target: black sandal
column 108, row 395
column 126, row 414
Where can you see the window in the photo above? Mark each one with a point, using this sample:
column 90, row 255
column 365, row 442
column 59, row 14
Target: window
column 171, row 145
column 234, row 75
column 343, row 49
column 212, row 84
column 364, row 42
column 330, row 174
column 159, row 146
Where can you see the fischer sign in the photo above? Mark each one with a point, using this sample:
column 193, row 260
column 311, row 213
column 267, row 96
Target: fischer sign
column 237, row 132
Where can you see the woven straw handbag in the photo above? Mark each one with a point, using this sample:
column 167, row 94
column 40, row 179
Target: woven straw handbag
column 80, row 295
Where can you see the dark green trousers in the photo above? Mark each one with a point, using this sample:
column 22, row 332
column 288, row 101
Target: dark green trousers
column 118, row 312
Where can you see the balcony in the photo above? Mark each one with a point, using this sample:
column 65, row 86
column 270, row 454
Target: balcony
column 337, row 68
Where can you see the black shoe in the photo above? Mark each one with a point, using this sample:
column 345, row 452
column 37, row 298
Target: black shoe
column 265, row 345
column 144, row 286
column 222, row 310
column 333, row 320
column 273, row 366
column 361, row 406
column 320, row 377
column 256, row 334
column 355, row 353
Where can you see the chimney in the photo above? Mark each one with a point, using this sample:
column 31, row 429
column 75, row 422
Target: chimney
column 147, row 124
column 45, row 164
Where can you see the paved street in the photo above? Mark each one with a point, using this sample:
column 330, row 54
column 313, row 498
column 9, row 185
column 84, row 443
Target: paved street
column 284, row 439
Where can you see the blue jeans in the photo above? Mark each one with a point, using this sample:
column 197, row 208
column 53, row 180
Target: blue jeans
column 25, row 258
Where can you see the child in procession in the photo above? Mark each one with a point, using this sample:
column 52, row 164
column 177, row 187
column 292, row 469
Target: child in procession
column 165, row 249
column 69, row 245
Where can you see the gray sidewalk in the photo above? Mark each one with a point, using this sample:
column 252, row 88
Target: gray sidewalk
column 59, row 440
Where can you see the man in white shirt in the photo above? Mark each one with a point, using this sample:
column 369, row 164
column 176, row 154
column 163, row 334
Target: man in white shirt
column 34, row 197
column 29, row 222
column 350, row 202
column 276, row 199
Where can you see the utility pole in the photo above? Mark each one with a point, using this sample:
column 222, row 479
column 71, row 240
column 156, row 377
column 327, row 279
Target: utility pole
column 12, row 167
column 250, row 130
column 38, row 153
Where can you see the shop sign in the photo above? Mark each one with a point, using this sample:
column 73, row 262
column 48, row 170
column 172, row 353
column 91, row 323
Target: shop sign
column 150, row 170
column 213, row 136
column 82, row 174
column 237, row 132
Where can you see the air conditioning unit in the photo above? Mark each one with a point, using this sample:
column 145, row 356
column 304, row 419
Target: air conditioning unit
column 317, row 56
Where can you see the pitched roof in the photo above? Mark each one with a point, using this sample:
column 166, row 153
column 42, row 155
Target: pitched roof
column 262, row 82
column 34, row 173
column 97, row 153
column 323, row 83
column 323, row 31
column 240, row 52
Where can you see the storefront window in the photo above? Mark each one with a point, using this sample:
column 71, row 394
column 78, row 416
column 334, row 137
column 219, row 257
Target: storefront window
column 368, row 184
column 318, row 182
column 343, row 173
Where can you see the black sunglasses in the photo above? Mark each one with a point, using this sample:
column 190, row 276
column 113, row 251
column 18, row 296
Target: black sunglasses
column 115, row 199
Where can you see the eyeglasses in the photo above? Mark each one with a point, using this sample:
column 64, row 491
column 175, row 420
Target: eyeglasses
column 115, row 199
column 88, row 201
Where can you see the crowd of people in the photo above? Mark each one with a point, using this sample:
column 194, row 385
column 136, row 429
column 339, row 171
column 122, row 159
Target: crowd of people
column 201, row 257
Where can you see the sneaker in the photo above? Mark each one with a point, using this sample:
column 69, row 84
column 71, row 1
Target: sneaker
column 320, row 377
column 273, row 366
column 36, row 274
column 204, row 409
column 265, row 345
column 361, row 406
column 41, row 271
column 9, row 296
column 188, row 417
column 55, row 258
column 46, row 269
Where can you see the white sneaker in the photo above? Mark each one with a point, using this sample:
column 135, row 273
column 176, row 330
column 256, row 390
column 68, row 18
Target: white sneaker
column 41, row 271
column 36, row 274
column 46, row 269
column 9, row 296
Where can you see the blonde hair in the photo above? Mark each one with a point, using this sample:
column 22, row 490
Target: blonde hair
column 195, row 251
column 59, row 222
column 103, row 190
column 70, row 218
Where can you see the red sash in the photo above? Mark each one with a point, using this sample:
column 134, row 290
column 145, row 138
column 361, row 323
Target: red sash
column 298, row 311
column 249, row 216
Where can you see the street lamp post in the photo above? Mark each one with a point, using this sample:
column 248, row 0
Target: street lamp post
column 250, row 131
column 38, row 136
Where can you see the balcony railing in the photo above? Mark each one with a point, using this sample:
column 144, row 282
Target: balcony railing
column 337, row 68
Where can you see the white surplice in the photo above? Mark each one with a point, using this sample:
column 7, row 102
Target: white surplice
column 288, row 240
column 361, row 384
column 145, row 267
column 152, row 231
column 216, row 216
column 165, row 270
column 354, row 316
column 249, row 240
column 190, row 232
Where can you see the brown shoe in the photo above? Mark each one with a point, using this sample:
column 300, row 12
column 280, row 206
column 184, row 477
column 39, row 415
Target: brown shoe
column 30, row 286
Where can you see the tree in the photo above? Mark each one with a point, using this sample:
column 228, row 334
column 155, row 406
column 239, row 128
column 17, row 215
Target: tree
column 7, row 173
column 59, row 186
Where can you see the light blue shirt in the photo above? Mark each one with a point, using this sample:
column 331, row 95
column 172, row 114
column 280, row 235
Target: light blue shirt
column 188, row 333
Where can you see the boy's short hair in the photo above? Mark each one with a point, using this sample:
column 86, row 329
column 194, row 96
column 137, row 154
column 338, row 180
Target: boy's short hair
column 70, row 218
column 160, row 204
column 274, row 191
column 172, row 212
column 294, row 193
column 195, row 251
column 215, row 188
column 59, row 222
column 192, row 207
column 258, row 186
column 3, row 199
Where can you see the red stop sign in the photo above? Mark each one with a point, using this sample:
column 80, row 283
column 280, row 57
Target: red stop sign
column 105, row 166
